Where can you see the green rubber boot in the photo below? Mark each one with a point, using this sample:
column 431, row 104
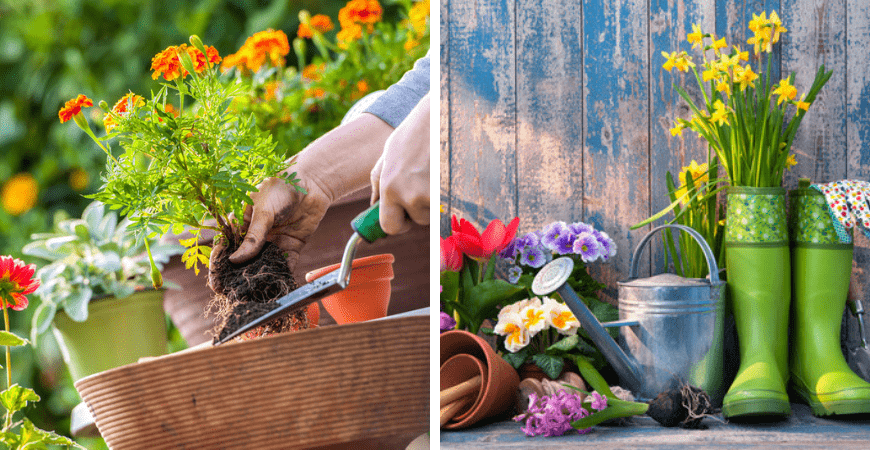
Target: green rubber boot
column 821, row 267
column 757, row 260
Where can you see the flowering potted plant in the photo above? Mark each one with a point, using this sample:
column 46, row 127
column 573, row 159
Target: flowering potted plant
column 360, row 54
column 16, row 282
column 190, row 162
column 750, row 122
column 93, row 295
column 544, row 331
column 469, row 290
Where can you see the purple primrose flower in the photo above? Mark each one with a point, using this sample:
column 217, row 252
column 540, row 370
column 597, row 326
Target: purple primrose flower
column 447, row 322
column 514, row 274
column 551, row 233
column 587, row 246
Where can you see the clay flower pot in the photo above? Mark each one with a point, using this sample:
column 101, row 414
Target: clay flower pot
column 458, row 369
column 368, row 294
column 500, row 381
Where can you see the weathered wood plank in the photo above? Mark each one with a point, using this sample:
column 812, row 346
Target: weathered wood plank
column 858, row 125
column 616, row 126
column 444, row 147
column 482, row 73
column 816, row 36
column 670, row 22
column 549, row 112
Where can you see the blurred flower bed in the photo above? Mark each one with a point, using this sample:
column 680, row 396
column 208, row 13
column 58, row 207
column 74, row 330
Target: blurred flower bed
column 300, row 78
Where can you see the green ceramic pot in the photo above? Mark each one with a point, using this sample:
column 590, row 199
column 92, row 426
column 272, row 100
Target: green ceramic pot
column 117, row 332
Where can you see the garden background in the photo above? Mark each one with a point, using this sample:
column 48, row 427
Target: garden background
column 53, row 50
column 561, row 110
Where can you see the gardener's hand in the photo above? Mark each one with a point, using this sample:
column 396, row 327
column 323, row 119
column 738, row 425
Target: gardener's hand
column 400, row 178
column 282, row 215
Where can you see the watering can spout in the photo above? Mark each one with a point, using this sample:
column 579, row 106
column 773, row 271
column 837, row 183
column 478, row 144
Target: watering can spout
column 553, row 278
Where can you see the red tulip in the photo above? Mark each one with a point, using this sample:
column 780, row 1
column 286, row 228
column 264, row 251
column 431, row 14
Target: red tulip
column 16, row 281
column 451, row 257
column 495, row 238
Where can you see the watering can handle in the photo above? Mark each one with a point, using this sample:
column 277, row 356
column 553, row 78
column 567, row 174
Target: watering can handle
column 708, row 254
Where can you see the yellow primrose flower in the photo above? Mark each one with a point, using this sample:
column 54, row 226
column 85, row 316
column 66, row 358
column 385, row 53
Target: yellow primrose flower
column 720, row 114
column 671, row 60
column 695, row 37
column 790, row 162
column 801, row 104
column 744, row 76
column 560, row 317
column 785, row 91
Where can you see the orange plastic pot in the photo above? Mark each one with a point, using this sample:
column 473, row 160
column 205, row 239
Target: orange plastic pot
column 498, row 392
column 367, row 296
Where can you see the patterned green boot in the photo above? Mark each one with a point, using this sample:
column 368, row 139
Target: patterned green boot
column 759, row 286
column 822, row 266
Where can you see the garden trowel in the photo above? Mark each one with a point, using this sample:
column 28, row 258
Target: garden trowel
column 366, row 226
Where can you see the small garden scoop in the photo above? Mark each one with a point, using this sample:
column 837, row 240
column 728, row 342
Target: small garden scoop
column 366, row 226
column 671, row 328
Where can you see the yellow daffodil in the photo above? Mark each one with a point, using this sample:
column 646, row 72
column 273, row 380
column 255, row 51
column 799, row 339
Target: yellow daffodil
column 683, row 62
column 711, row 73
column 720, row 44
column 699, row 178
column 776, row 27
column 726, row 62
column 744, row 76
column 678, row 128
column 723, row 86
column 695, row 38
column 785, row 91
column 743, row 56
column 790, row 162
column 757, row 22
column 720, row 114
column 671, row 60
column 801, row 104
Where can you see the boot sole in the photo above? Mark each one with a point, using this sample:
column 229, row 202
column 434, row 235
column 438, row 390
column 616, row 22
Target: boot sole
column 832, row 407
column 766, row 407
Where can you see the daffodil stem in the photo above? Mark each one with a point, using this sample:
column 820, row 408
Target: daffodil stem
column 5, row 302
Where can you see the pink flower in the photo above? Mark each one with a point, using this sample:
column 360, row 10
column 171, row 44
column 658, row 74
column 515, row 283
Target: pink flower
column 494, row 239
column 451, row 257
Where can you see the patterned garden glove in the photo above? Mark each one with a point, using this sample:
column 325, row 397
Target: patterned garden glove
column 848, row 205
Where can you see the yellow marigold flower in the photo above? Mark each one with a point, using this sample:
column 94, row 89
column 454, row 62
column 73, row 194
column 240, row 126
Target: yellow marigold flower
column 785, row 91
column 74, row 107
column 695, row 37
column 19, row 194
column 411, row 44
column 79, row 180
column 320, row 22
column 790, row 162
column 801, row 104
column 720, row 114
column 122, row 108
column 744, row 76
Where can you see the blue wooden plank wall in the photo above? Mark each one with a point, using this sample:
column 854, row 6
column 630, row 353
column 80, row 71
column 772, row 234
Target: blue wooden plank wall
column 560, row 109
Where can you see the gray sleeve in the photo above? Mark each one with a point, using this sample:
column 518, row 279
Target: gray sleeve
column 394, row 104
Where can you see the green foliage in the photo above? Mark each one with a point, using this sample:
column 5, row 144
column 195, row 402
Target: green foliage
column 89, row 257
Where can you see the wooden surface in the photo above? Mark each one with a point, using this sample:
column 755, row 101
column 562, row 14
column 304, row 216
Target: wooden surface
column 560, row 110
column 801, row 431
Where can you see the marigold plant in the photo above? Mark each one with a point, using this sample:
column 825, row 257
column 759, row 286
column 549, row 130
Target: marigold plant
column 749, row 120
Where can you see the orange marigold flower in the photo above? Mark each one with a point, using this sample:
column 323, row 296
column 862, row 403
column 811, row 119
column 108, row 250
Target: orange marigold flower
column 360, row 12
column 121, row 108
column 171, row 110
column 362, row 87
column 270, row 43
column 16, row 281
column 73, row 107
column 320, row 22
column 19, row 194
column 348, row 35
column 316, row 93
column 312, row 72
column 166, row 63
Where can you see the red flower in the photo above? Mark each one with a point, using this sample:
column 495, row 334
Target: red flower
column 495, row 238
column 73, row 107
column 16, row 281
column 451, row 257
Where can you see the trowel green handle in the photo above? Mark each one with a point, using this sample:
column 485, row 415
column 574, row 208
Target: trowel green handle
column 367, row 224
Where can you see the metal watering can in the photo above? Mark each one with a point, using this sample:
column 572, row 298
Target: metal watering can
column 671, row 328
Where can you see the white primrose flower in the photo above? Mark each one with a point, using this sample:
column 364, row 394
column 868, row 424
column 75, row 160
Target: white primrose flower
column 515, row 308
column 534, row 318
column 560, row 317
column 516, row 335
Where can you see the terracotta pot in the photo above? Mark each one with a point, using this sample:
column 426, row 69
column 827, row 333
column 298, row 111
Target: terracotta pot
column 368, row 294
column 531, row 370
column 501, row 381
column 460, row 368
